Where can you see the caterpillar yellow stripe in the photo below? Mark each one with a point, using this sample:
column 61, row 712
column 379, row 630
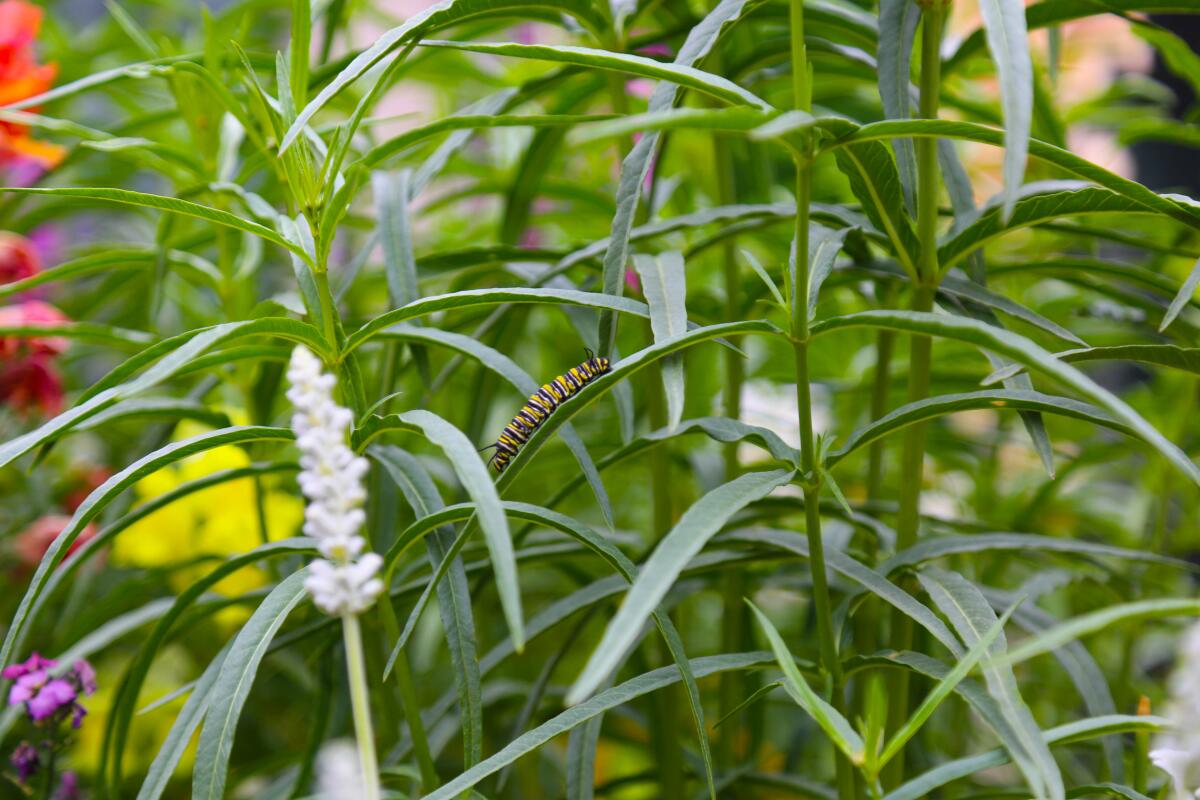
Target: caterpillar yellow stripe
column 540, row 405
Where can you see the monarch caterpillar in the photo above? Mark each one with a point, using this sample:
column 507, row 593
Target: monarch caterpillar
column 541, row 405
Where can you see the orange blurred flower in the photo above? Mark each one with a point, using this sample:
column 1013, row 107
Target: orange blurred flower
column 21, row 77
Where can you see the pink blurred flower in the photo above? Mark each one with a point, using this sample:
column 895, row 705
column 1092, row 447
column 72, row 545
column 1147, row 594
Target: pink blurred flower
column 28, row 379
column 31, row 313
column 32, row 384
column 18, row 258
column 531, row 238
column 631, row 281
column 640, row 87
column 35, row 663
column 525, row 33
column 657, row 49
column 31, row 544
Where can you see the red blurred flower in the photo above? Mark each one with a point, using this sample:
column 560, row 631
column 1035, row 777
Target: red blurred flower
column 21, row 77
column 32, row 384
column 31, row 544
column 85, row 481
column 31, row 313
column 18, row 258
column 28, row 379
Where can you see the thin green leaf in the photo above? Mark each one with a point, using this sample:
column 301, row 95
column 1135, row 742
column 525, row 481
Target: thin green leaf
column 636, row 165
column 1082, row 730
column 940, row 405
column 942, row 690
column 703, row 520
column 1008, row 40
column 179, row 737
column 105, row 494
column 1182, row 298
column 486, row 297
column 762, row 274
column 972, row 616
column 664, row 285
column 897, row 31
column 434, row 17
column 1018, row 348
column 233, row 684
column 1095, row 621
column 473, row 475
column 171, row 204
column 577, row 715
column 680, row 74
column 836, row 727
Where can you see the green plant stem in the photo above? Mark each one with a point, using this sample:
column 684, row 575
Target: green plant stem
column 733, row 622
column 329, row 315
column 360, row 703
column 48, row 788
column 912, row 454
column 669, row 754
column 408, row 697
column 666, row 702
column 885, row 345
column 830, row 661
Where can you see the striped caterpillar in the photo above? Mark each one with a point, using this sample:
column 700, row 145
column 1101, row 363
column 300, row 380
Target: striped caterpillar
column 541, row 405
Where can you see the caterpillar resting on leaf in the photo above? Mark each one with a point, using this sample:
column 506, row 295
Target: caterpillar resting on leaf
column 541, row 405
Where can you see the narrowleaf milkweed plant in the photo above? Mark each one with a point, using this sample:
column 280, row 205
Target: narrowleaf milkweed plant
column 877, row 482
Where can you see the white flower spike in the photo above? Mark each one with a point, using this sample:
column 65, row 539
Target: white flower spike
column 1178, row 752
column 331, row 478
column 338, row 776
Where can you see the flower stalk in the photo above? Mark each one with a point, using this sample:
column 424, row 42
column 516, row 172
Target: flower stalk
column 345, row 581
column 912, row 454
column 798, row 297
column 360, row 704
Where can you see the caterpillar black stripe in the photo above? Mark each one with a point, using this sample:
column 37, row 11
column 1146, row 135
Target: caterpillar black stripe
column 541, row 405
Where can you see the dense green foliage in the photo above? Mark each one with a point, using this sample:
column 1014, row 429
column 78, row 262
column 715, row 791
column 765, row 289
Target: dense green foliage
column 874, row 520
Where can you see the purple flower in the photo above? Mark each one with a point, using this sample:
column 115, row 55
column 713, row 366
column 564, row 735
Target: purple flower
column 25, row 759
column 68, row 787
column 85, row 676
column 45, row 696
column 34, row 663
column 657, row 49
column 51, row 697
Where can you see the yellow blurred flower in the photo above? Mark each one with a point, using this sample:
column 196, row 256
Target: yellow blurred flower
column 172, row 667
column 214, row 523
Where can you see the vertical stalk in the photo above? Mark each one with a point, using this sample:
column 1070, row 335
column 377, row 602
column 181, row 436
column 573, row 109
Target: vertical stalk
column 830, row 662
column 408, row 694
column 666, row 703
column 885, row 342
column 733, row 629
column 912, row 453
column 360, row 703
